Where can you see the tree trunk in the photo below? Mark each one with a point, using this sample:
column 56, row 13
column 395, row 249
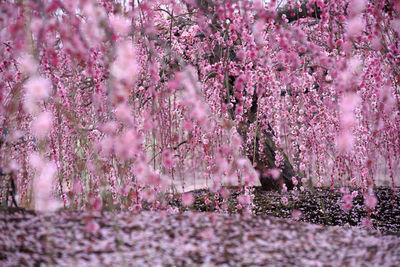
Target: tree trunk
column 266, row 161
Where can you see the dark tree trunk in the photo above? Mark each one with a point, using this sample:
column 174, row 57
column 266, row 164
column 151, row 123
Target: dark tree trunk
column 266, row 160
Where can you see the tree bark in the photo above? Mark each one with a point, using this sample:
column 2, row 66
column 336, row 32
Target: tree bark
column 266, row 160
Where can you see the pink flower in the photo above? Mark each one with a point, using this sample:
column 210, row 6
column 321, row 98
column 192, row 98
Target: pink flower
column 347, row 120
column 126, row 145
column 97, row 204
column 244, row 200
column 258, row 4
column 199, row 112
column 284, row 201
column 258, row 29
column 137, row 207
column 347, row 206
column 43, row 188
column 239, row 86
column 284, row 188
column 296, row 214
column 345, row 142
column 168, row 159
column 396, row 25
column 173, row 85
column 153, row 178
column 42, row 124
column 110, row 127
column 106, row 146
column 355, row 26
column 125, row 68
column 36, row 161
column 302, row 167
column 376, row 43
column 141, row 168
column 35, row 25
column 356, row 7
column 275, row 173
column 371, row 201
column 347, row 198
column 239, row 110
column 77, row 187
column 149, row 195
column 187, row 199
column 38, row 88
column 123, row 113
column 119, row 24
column 28, row 64
column 92, row 226
column 241, row 54
column 251, row 177
column 224, row 193
column 366, row 222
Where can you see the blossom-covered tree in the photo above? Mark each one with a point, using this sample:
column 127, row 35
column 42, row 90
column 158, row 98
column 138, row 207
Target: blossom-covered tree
column 114, row 101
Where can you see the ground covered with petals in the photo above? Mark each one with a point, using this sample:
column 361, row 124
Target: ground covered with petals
column 186, row 239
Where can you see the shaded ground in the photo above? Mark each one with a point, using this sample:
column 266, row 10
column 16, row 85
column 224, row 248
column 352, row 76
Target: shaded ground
column 318, row 205
column 323, row 206
column 186, row 239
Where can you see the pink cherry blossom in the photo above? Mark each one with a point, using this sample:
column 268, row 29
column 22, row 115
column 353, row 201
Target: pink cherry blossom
column 120, row 24
column 168, row 158
column 92, row 226
column 28, row 64
column 275, row 173
column 347, row 206
column 366, row 222
column 187, row 199
column 296, row 214
column 41, row 126
column 284, row 200
column 244, row 200
column 123, row 114
column 125, row 68
column 371, row 201
column 38, row 88
column 355, row 26
column 357, row 6
column 43, row 188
